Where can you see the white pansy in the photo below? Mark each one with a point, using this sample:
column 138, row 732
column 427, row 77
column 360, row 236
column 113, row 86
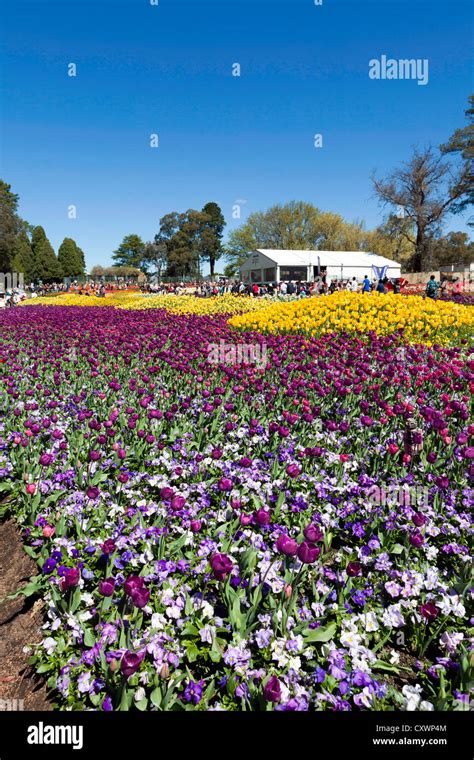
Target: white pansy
column 139, row 694
column 412, row 697
column 50, row 645
column 370, row 622
column 350, row 639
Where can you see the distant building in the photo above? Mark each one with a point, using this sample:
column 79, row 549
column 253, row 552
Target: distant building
column 269, row 265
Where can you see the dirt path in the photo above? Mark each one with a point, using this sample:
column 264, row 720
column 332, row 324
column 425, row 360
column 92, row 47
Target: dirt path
column 20, row 624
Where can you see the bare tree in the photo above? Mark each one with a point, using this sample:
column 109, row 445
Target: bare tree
column 426, row 189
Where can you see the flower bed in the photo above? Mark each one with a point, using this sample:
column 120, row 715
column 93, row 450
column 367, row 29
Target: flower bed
column 221, row 536
column 184, row 304
column 421, row 319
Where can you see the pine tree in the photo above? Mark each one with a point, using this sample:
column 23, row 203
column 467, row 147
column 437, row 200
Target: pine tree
column 9, row 225
column 70, row 257
column 38, row 236
column 23, row 255
column 45, row 264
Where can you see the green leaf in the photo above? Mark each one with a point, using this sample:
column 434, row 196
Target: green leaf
column 320, row 634
column 397, row 549
column 381, row 665
column 89, row 638
column 192, row 652
column 189, row 630
column 76, row 600
column 156, row 696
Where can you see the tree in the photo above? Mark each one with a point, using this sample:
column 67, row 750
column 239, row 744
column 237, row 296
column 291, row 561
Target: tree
column 22, row 255
column 295, row 225
column 45, row 266
column 130, row 252
column 70, row 258
column 9, row 225
column 154, row 258
column 179, row 241
column 426, row 190
column 392, row 239
column 97, row 271
column 461, row 143
column 454, row 248
column 210, row 234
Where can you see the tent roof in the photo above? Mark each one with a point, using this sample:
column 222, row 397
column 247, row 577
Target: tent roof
column 327, row 258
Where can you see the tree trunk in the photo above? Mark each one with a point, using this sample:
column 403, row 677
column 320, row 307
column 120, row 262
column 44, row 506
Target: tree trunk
column 419, row 250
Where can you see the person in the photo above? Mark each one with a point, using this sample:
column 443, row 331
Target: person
column 444, row 286
column 396, row 286
column 432, row 287
column 255, row 290
column 291, row 288
column 366, row 285
column 354, row 285
column 380, row 287
column 457, row 286
column 283, row 288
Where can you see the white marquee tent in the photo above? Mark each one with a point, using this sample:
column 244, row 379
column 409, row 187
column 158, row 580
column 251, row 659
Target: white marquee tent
column 269, row 265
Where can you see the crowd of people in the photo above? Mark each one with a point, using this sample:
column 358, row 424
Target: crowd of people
column 287, row 289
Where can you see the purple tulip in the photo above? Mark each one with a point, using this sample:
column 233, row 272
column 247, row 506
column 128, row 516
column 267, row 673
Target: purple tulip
column 286, row 545
column 70, row 578
column 107, row 587
column 130, row 663
column 177, row 502
column 263, row 517
column 353, row 569
column 140, row 597
column 313, row 533
column 429, row 611
column 308, row 553
column 419, row 519
column 416, row 540
column 108, row 547
column 133, row 583
column 221, row 565
column 225, row 484
column 272, row 690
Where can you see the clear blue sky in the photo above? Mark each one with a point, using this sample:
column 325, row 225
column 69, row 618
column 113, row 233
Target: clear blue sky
column 167, row 69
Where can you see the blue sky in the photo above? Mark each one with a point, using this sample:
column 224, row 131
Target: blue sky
column 167, row 69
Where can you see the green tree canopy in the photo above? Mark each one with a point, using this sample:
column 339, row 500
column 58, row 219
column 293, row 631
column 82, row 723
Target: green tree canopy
column 70, row 258
column 10, row 225
column 22, row 255
column 461, row 143
column 45, row 264
column 130, row 252
column 296, row 225
column 210, row 234
column 426, row 189
column 454, row 248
